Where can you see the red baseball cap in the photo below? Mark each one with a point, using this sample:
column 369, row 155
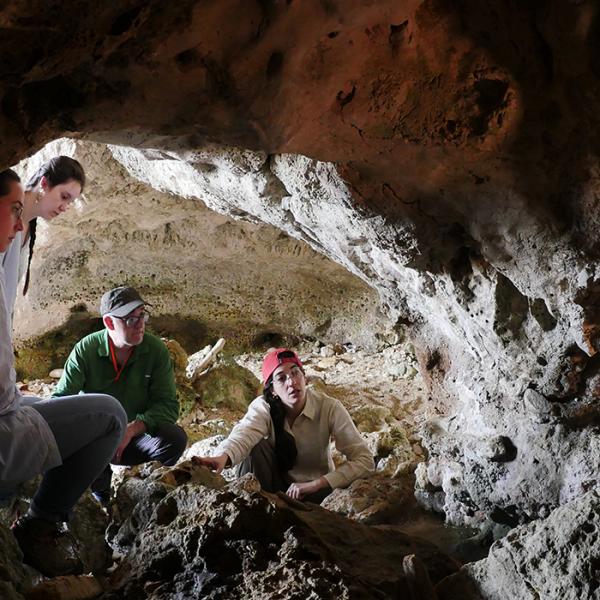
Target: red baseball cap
column 277, row 357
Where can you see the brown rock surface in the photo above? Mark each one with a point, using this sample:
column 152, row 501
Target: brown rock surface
column 199, row 538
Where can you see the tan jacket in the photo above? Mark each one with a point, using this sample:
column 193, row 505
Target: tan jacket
column 322, row 419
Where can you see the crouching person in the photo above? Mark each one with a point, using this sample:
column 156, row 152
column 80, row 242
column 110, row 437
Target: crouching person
column 135, row 367
column 69, row 441
column 284, row 437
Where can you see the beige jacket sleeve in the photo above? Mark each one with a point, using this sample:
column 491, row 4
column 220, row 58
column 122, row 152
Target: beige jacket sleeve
column 255, row 425
column 347, row 439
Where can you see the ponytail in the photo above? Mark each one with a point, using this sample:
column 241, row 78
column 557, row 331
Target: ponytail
column 32, row 228
column 57, row 170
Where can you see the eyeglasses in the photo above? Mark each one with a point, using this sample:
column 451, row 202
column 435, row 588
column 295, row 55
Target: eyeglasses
column 133, row 321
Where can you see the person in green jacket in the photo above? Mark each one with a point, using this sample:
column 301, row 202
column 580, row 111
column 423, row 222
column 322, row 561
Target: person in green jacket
column 134, row 366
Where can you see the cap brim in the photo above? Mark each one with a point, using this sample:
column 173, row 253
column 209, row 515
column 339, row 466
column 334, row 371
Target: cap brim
column 124, row 310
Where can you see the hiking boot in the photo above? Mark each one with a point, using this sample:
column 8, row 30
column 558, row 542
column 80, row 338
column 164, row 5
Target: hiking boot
column 47, row 546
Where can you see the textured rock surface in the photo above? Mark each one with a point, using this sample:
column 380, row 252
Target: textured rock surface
column 453, row 165
column 88, row 526
column 558, row 557
column 14, row 579
column 188, row 535
column 205, row 275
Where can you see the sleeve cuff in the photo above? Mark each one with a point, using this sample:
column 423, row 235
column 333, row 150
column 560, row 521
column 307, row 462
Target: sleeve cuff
column 335, row 480
column 150, row 426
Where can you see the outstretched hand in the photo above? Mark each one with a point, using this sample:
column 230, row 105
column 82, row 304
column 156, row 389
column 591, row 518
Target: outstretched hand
column 216, row 463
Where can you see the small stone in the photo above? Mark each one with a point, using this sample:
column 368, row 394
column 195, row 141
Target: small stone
column 327, row 351
column 56, row 373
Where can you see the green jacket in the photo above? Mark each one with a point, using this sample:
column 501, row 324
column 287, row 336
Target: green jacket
column 146, row 388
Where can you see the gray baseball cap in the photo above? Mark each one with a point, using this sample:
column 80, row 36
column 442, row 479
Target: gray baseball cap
column 120, row 301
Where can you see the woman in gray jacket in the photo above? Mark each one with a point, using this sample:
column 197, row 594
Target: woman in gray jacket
column 70, row 440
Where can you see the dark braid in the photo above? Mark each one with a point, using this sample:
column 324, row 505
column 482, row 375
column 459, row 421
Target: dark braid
column 285, row 445
column 57, row 170
column 32, row 228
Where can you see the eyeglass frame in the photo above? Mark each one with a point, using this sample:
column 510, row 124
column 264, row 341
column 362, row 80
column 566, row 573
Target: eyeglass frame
column 127, row 320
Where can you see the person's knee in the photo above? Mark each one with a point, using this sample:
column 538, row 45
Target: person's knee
column 110, row 406
column 179, row 439
column 174, row 439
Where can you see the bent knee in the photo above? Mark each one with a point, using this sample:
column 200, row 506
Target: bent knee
column 110, row 406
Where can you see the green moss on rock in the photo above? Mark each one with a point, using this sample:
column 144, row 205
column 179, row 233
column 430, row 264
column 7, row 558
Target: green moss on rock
column 34, row 359
column 227, row 386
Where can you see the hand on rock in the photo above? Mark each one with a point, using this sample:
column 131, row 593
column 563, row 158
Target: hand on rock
column 299, row 490
column 216, row 463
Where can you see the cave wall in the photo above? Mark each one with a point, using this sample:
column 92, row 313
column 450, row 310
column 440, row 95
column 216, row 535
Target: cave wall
column 205, row 275
column 445, row 152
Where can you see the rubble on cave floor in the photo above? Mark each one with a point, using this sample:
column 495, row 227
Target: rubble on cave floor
column 185, row 531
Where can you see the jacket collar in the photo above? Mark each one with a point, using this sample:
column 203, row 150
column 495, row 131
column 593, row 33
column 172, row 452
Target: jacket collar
column 104, row 350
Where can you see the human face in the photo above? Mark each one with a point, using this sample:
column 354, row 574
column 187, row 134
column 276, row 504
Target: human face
column 55, row 200
column 11, row 208
column 290, row 385
column 123, row 335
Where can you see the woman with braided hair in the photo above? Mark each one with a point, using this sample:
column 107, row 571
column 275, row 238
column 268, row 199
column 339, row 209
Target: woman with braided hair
column 51, row 191
column 69, row 440
column 284, row 437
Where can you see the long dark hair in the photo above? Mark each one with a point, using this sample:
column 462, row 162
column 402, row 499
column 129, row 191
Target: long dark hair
column 285, row 445
column 6, row 177
column 57, row 170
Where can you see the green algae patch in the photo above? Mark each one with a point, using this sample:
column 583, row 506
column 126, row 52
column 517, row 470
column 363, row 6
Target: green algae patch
column 227, row 386
column 34, row 359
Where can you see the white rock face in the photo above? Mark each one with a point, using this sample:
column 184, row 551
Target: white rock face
column 237, row 278
column 555, row 558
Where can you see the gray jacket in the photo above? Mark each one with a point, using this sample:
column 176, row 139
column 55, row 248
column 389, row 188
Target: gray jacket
column 27, row 445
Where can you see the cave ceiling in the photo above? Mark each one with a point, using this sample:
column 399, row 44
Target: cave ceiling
column 419, row 103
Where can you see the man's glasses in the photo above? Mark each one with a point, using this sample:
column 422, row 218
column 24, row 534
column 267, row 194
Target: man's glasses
column 133, row 321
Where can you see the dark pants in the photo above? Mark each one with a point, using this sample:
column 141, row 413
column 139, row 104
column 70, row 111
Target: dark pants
column 262, row 463
column 166, row 446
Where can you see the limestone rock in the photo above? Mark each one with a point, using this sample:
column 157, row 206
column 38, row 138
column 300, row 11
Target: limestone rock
column 534, row 466
column 227, row 385
column 552, row 558
column 71, row 587
column 180, row 359
column 375, row 499
column 207, row 447
column 201, row 539
column 14, row 578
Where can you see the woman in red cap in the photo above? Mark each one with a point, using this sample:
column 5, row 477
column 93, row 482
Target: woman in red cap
column 284, row 436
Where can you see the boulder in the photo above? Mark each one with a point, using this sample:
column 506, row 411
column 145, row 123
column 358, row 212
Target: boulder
column 201, row 538
column 554, row 558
